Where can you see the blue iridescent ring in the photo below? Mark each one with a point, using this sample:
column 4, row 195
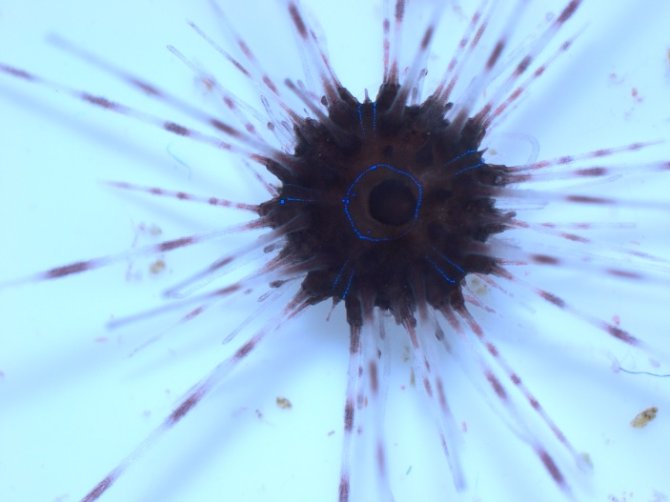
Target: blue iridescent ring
column 382, row 203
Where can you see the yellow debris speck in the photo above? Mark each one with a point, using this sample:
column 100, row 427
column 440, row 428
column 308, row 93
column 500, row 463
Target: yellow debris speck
column 284, row 403
column 644, row 417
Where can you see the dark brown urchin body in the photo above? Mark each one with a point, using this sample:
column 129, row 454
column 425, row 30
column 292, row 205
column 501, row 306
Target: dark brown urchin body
column 387, row 205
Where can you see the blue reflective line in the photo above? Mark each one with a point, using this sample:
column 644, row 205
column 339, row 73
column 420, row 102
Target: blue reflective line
column 358, row 233
column 464, row 154
column 374, row 116
column 452, row 263
column 359, row 110
column 469, row 168
column 348, row 287
column 339, row 275
column 441, row 272
column 419, row 200
column 284, row 200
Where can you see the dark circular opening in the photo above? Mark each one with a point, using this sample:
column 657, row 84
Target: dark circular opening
column 392, row 202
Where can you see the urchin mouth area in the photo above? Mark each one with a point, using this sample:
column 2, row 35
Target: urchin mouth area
column 386, row 206
column 382, row 203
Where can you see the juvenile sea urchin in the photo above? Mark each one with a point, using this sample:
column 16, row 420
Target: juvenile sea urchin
column 368, row 227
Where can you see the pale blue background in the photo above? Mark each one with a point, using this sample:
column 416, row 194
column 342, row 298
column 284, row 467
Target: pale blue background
column 65, row 393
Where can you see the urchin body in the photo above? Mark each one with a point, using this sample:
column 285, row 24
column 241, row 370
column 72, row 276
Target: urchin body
column 384, row 206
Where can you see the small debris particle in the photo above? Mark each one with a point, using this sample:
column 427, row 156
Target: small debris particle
column 616, row 368
column 157, row 267
column 644, row 417
column 284, row 403
column 478, row 287
column 208, row 82
column 152, row 229
column 616, row 79
column 624, row 497
column 587, row 459
column 331, row 432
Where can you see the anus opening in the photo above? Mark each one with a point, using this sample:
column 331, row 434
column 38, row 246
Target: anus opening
column 382, row 203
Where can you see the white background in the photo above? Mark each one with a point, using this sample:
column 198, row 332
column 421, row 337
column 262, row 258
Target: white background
column 74, row 396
